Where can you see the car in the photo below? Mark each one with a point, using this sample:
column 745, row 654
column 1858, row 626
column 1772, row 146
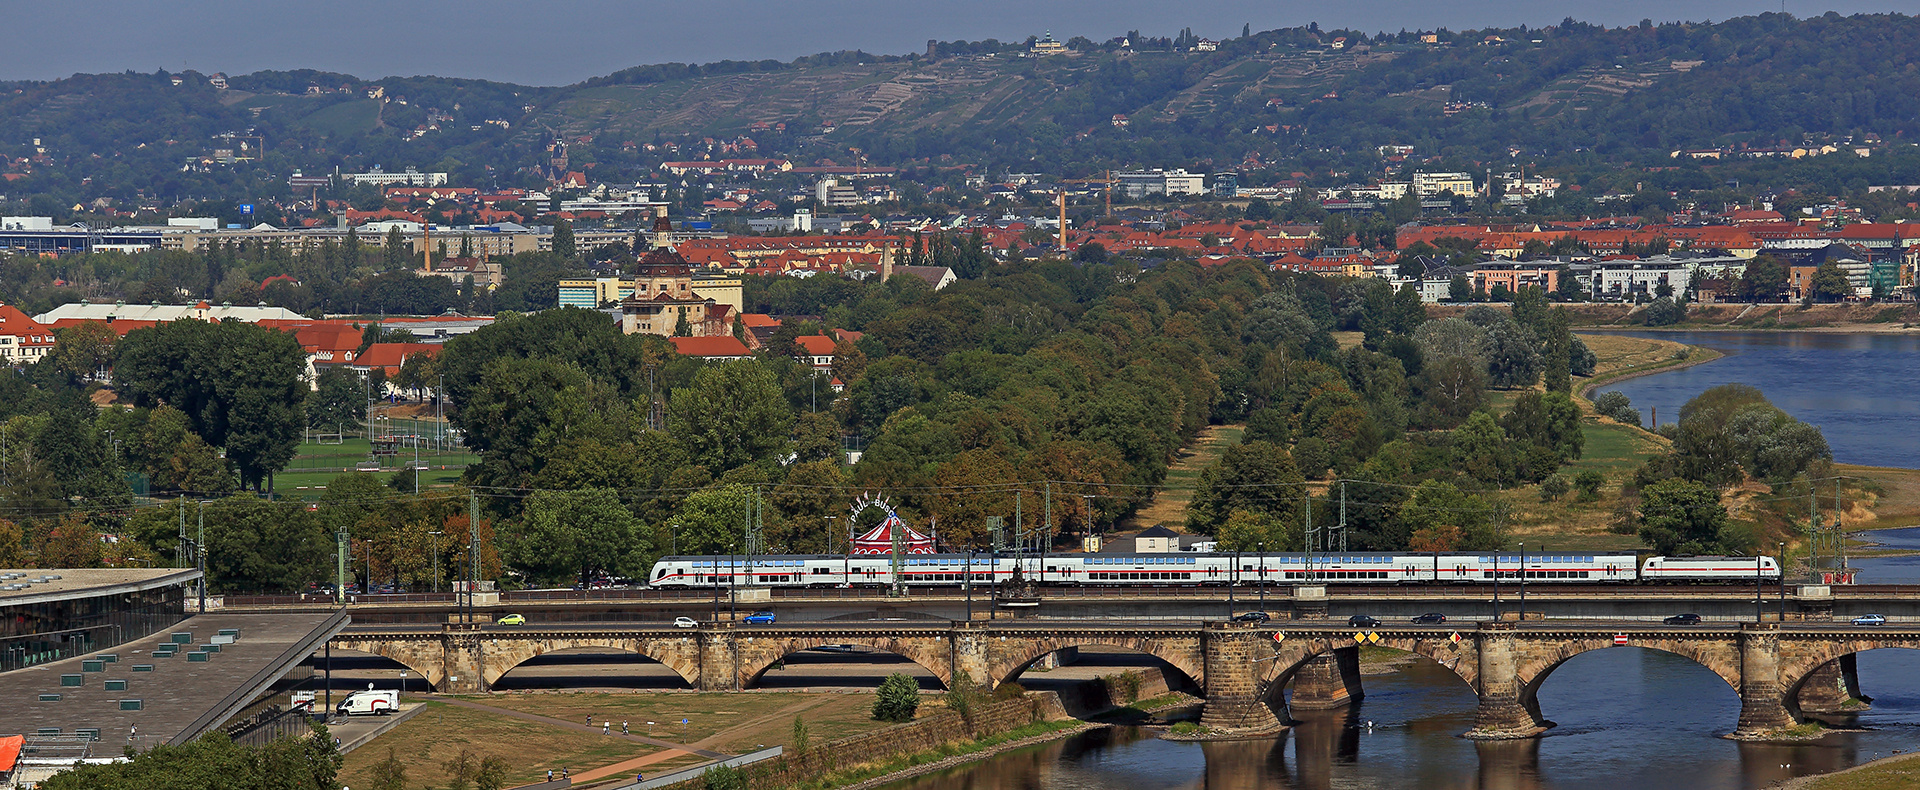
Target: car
column 833, row 648
column 684, row 622
column 1251, row 617
column 1870, row 619
column 762, row 617
column 1430, row 618
column 512, row 619
column 1362, row 621
column 1683, row 619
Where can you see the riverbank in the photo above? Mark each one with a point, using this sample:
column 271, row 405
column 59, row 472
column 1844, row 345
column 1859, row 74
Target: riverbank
column 1846, row 317
column 1899, row 772
column 1656, row 356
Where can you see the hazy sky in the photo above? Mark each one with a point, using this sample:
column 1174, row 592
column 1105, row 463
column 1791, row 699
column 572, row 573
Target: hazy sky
column 555, row 42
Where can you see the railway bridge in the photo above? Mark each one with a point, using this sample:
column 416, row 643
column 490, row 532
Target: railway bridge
column 1782, row 673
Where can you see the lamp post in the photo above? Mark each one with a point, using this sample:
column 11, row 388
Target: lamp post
column 1758, row 608
column 436, row 559
column 733, row 595
column 1496, row 585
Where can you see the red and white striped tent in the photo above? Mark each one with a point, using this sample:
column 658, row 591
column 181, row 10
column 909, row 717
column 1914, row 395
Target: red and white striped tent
column 879, row 540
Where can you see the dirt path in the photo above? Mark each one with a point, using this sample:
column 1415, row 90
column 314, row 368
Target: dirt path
column 788, row 712
column 1169, row 505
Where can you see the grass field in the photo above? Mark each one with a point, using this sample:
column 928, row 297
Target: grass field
column 437, row 734
column 1892, row 774
column 315, row 463
column 1169, row 505
column 731, row 723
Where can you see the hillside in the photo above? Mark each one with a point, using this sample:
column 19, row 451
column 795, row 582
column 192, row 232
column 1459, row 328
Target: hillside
column 1573, row 96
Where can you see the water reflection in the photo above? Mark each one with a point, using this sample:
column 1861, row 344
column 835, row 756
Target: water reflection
column 1855, row 387
column 1628, row 718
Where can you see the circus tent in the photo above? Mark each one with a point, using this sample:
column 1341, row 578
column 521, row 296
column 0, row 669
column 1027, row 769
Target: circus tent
column 879, row 540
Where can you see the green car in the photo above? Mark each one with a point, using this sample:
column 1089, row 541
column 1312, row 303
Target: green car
column 512, row 619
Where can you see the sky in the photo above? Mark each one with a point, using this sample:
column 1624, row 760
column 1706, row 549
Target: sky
column 558, row 42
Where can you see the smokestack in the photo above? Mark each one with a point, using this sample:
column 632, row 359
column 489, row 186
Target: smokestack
column 886, row 261
column 1062, row 195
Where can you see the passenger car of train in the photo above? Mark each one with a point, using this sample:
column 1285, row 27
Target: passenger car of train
column 1197, row 569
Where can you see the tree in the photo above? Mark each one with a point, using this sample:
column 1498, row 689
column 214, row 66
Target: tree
column 240, row 384
column 1452, row 388
column 1559, row 350
column 1091, row 252
column 1438, row 509
column 309, row 762
column 85, row 349
column 398, row 253
column 574, row 535
column 1512, row 360
column 1830, row 284
column 1664, row 311
column 731, row 415
column 338, row 400
column 1256, row 477
column 390, row 774
column 1458, row 290
column 1480, row 450
column 1617, row 406
column 563, row 245
column 1679, row 517
column 898, row 700
column 1764, row 280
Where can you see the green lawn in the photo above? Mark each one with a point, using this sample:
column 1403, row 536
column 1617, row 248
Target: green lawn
column 315, row 464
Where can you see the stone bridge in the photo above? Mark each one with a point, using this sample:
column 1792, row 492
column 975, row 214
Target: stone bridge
column 1780, row 674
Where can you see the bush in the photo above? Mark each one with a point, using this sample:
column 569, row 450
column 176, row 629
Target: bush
column 1009, row 690
column 1187, row 728
column 1664, row 312
column 1126, row 686
column 1588, row 482
column 1617, row 407
column 899, row 699
column 1554, row 487
column 723, row 777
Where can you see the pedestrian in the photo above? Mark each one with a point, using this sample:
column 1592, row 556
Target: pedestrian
column 549, row 774
column 623, row 728
column 565, row 772
column 606, row 727
column 589, row 720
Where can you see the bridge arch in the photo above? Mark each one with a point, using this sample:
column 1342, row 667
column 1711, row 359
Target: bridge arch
column 421, row 659
column 1291, row 655
column 1721, row 657
column 1014, row 655
column 678, row 653
column 759, row 652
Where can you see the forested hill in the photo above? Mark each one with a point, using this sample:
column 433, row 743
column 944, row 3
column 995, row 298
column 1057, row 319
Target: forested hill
column 1292, row 98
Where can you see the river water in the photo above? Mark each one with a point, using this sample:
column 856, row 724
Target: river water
column 1857, row 388
column 1626, row 717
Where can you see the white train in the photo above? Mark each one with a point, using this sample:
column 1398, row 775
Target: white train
column 1206, row 569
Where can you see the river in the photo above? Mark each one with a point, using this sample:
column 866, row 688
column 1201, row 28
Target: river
column 1627, row 717
column 1855, row 387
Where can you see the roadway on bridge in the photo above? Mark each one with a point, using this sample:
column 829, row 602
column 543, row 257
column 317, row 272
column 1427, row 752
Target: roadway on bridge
column 1044, row 625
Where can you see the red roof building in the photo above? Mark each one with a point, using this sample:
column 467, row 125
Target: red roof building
column 724, row 347
column 22, row 339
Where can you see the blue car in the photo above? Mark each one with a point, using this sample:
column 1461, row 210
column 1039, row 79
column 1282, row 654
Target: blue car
column 1870, row 619
column 762, row 617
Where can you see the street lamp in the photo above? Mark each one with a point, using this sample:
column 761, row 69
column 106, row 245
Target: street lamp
column 436, row 558
column 1232, row 571
column 1758, row 559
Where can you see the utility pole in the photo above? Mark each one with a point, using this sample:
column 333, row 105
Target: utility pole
column 435, row 537
column 1307, row 535
column 473, row 552
column 1343, row 516
column 340, row 568
column 200, row 556
column 180, row 547
column 1046, row 524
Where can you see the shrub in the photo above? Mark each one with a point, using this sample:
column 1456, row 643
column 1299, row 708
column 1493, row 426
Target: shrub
column 1616, row 406
column 1009, row 690
column 1589, row 482
column 724, row 777
column 1187, row 728
column 1126, row 686
column 899, row 699
column 1554, row 487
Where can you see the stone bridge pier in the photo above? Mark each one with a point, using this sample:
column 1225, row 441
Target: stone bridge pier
column 1778, row 674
